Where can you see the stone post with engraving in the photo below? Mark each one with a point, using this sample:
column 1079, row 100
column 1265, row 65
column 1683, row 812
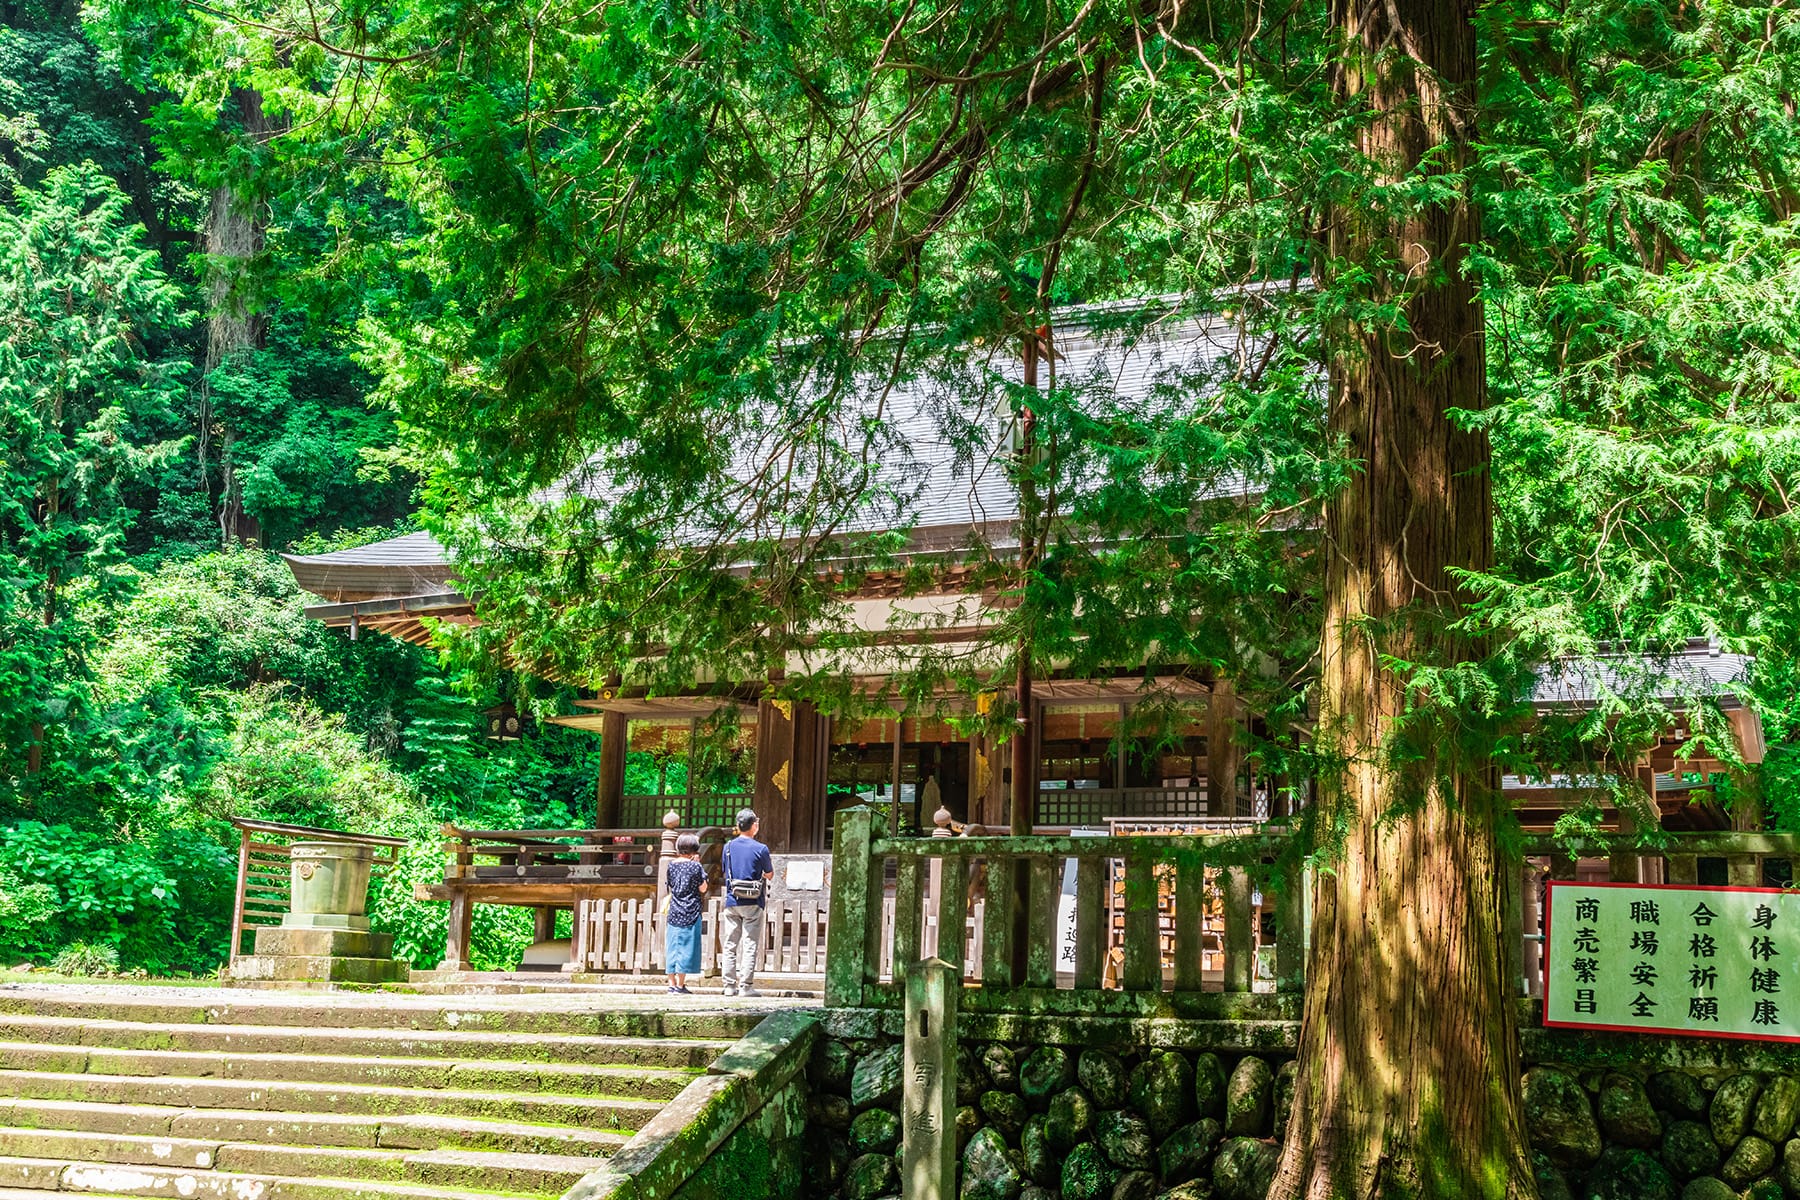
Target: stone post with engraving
column 928, row 1092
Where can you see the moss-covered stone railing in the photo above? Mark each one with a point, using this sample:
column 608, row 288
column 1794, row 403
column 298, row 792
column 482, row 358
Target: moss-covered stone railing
column 1146, row 911
column 733, row 1133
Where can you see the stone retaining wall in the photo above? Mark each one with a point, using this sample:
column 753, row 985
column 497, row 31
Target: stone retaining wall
column 1070, row 1117
column 1040, row 1121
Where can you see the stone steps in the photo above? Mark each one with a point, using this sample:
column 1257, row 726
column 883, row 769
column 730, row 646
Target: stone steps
column 571, row 1079
column 416, row 1131
column 283, row 1096
column 231, row 1094
column 591, row 1049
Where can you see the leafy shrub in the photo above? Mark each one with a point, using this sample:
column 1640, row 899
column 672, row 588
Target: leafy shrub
column 76, row 887
column 83, row 958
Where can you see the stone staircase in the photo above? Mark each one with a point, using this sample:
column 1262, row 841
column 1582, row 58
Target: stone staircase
column 202, row 1094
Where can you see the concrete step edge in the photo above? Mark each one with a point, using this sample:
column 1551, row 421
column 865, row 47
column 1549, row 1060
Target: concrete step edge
column 270, row 1059
column 381, row 1089
column 409, row 1131
column 78, row 1031
column 132, row 1180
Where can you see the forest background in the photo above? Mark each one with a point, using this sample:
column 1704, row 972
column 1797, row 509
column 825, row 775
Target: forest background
column 182, row 683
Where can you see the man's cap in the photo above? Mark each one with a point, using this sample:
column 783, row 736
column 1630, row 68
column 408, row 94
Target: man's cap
column 746, row 818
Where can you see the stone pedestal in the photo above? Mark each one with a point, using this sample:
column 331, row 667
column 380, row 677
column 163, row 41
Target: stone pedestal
column 292, row 953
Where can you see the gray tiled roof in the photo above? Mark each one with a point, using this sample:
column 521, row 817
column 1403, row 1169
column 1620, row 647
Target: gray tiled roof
column 1701, row 668
column 937, row 464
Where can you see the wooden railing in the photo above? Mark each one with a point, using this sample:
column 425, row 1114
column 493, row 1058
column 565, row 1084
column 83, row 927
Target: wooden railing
column 264, row 878
column 1147, row 912
column 627, row 936
column 1132, row 938
column 508, row 855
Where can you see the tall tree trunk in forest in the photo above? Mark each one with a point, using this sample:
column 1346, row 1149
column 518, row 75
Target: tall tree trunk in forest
column 1409, row 1073
column 232, row 239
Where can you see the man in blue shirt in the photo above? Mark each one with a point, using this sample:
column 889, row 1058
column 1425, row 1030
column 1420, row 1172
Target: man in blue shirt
column 747, row 868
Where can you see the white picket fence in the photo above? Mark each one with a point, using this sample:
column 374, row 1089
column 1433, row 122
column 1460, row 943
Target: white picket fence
column 627, row 936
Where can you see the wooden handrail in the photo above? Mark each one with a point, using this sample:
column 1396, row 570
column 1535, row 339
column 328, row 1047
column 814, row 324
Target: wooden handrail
column 247, row 825
column 1715, row 844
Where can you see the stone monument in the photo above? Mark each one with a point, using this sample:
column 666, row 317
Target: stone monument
column 325, row 935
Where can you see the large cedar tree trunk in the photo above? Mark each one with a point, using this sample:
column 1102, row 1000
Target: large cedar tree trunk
column 232, row 238
column 1409, row 1074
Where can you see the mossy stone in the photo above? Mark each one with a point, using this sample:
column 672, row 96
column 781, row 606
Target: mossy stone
column 1708, row 1188
column 1790, row 1167
column 1135, row 1185
column 870, row 1176
column 1046, row 1071
column 1732, row 1106
column 1750, row 1160
column 1688, row 1149
column 1284, row 1096
column 1086, row 1175
column 1005, row 1111
column 1209, row 1085
column 1185, row 1153
column 968, row 1120
column 1551, row 1183
column 1126, row 1140
column 876, row 1080
column 1249, row 1096
column 1244, row 1168
column 1559, row 1122
column 1103, row 1075
column 1626, row 1117
column 827, row 1154
column 1193, row 1189
column 874, row 1131
column 1765, row 1189
column 1069, row 1119
column 828, row 1111
column 988, row 1170
column 1001, row 1065
column 831, row 1065
column 1034, row 1192
column 971, row 1076
column 1679, row 1093
column 1626, row 1173
column 1161, row 1089
column 1776, row 1109
column 1038, row 1155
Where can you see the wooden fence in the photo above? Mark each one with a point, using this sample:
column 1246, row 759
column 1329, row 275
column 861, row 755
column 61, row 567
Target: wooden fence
column 1148, row 912
column 1131, row 937
column 627, row 936
column 265, row 877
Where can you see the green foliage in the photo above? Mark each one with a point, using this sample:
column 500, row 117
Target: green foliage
column 119, row 896
column 82, row 308
column 84, row 958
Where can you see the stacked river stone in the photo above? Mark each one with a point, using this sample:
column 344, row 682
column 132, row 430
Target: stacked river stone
column 1673, row 1135
column 1043, row 1122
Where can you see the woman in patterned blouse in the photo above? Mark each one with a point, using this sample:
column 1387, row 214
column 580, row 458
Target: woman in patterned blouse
column 681, row 923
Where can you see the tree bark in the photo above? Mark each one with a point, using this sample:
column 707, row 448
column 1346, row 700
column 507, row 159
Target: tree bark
column 1409, row 1071
column 232, row 238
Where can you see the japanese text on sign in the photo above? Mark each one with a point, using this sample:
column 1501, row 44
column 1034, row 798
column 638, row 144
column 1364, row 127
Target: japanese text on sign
column 1713, row 962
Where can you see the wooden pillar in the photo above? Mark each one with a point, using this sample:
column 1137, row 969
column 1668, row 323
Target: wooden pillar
column 456, row 943
column 1222, row 750
column 609, row 792
column 987, row 784
column 543, row 923
column 1022, row 790
column 789, row 793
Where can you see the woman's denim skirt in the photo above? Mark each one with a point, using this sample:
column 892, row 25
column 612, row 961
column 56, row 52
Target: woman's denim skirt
column 681, row 948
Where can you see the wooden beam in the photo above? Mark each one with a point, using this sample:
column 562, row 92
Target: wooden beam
column 609, row 790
